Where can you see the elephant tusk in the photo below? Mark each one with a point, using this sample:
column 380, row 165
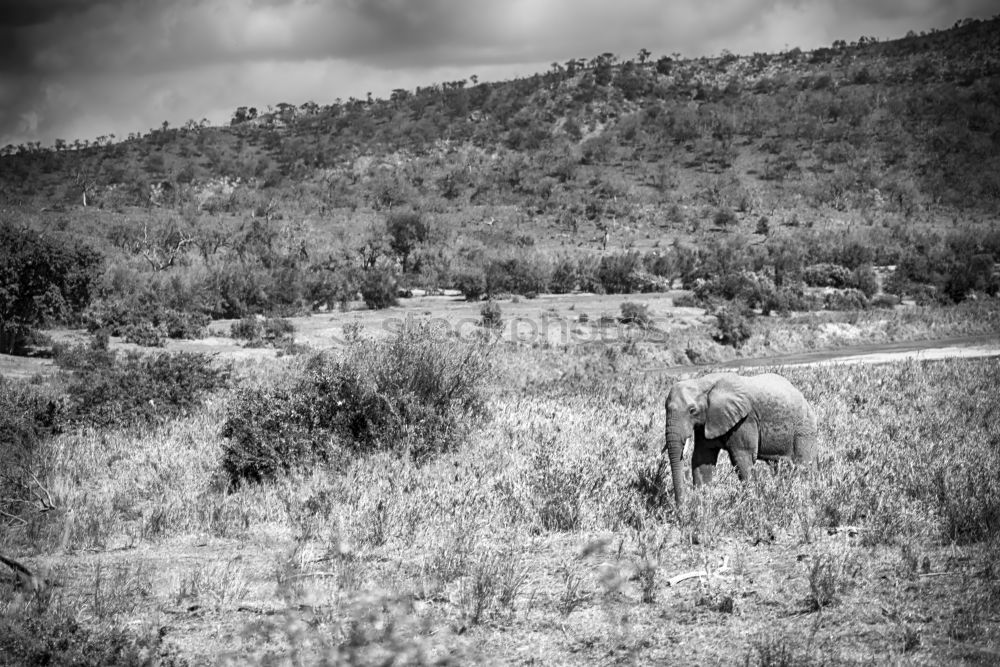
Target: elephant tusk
column 688, row 448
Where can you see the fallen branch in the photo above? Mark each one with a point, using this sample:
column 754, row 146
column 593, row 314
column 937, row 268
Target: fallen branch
column 25, row 576
column 695, row 574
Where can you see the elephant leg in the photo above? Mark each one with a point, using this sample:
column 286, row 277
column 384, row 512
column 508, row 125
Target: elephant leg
column 805, row 445
column 743, row 461
column 703, row 460
column 742, row 447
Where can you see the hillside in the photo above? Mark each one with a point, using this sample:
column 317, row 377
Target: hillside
column 914, row 119
column 602, row 174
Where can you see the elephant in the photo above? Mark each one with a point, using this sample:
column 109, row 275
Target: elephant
column 756, row 417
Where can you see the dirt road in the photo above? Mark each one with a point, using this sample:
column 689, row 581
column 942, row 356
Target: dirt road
column 926, row 350
column 875, row 353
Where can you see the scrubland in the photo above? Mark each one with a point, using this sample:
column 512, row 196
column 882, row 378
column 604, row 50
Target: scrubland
column 327, row 491
column 539, row 534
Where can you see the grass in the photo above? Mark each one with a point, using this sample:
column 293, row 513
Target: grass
column 535, row 538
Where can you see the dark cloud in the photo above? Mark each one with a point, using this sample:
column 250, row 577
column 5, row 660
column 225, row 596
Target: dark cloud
column 72, row 66
column 22, row 13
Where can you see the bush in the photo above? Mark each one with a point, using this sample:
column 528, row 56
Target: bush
column 471, row 282
column 864, row 279
column 724, row 218
column 974, row 274
column 378, row 289
column 259, row 331
column 846, row 299
column 750, row 288
column 136, row 389
column 588, row 273
column 406, row 231
column 57, row 637
column 490, row 315
column 517, row 275
column 27, row 417
column 686, row 300
column 183, row 324
column 565, row 276
column 144, row 322
column 144, row 333
column 415, row 394
column 786, row 299
column 41, row 281
column 733, row 325
column 826, row 275
column 620, row 273
column 635, row 313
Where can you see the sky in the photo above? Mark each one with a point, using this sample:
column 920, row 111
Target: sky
column 79, row 69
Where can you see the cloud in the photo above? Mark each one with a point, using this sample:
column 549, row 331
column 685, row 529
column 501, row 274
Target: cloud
column 82, row 66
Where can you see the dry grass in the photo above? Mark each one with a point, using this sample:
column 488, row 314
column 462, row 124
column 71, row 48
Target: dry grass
column 535, row 540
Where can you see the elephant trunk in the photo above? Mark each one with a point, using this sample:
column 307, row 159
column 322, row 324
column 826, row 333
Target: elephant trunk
column 675, row 448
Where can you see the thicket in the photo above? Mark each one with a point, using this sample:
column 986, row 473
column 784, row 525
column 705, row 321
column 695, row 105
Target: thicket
column 29, row 415
column 43, row 280
column 415, row 394
column 57, row 636
column 104, row 388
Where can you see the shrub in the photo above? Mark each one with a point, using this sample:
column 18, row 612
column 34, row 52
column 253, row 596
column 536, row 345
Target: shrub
column 105, row 389
column 57, row 637
column 620, row 273
column 565, row 276
column 490, row 315
column 471, row 282
column 846, row 299
column 786, row 299
column 259, row 331
column 724, row 218
column 239, row 290
column 863, row 278
column 41, row 280
column 733, row 325
column 184, row 324
column 588, row 273
column 27, row 417
column 826, row 275
column 973, row 274
column 686, row 300
column 750, row 288
column 406, row 231
column 143, row 321
column 413, row 394
column 144, row 333
column 517, row 275
column 635, row 313
column 330, row 284
column 378, row 289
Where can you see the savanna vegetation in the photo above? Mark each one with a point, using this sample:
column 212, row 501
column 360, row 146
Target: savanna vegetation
column 527, row 523
column 448, row 492
column 756, row 180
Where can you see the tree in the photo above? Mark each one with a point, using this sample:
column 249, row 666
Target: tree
column 41, row 280
column 406, row 231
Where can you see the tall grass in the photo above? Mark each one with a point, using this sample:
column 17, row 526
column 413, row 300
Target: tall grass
column 490, row 533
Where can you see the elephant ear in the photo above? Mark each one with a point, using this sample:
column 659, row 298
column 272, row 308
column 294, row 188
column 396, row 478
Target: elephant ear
column 728, row 403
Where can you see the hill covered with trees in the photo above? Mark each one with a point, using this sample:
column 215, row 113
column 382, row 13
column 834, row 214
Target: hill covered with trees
column 608, row 174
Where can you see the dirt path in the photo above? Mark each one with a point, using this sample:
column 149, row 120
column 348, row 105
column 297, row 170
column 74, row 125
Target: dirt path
column 874, row 353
